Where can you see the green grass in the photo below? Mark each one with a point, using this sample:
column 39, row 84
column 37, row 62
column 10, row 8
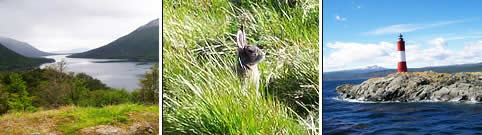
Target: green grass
column 201, row 92
column 91, row 116
column 71, row 119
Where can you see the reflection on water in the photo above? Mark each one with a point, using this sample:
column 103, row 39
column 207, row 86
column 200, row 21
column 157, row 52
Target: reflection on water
column 114, row 73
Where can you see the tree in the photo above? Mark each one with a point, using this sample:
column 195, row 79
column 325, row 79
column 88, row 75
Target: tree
column 3, row 99
column 149, row 91
column 18, row 99
column 91, row 83
column 79, row 90
column 55, row 90
column 100, row 98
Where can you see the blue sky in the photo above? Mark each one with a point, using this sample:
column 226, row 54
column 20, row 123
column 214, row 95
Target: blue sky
column 360, row 33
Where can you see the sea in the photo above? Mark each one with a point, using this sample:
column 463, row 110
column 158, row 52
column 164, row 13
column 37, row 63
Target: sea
column 342, row 117
column 115, row 73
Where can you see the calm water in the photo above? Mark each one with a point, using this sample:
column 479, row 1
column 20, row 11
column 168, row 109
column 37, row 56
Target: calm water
column 113, row 74
column 343, row 117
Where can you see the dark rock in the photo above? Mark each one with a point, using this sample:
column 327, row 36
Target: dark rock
column 417, row 86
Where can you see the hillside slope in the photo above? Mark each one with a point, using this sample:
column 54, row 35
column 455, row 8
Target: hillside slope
column 139, row 45
column 117, row 119
column 22, row 48
column 10, row 60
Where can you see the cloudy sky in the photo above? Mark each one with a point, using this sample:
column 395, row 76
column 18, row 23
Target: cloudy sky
column 55, row 25
column 359, row 33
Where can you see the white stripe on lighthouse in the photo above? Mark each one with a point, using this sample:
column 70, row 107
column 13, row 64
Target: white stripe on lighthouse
column 402, row 56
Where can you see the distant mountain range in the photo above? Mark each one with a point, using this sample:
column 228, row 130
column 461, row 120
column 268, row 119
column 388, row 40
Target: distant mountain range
column 10, row 60
column 380, row 72
column 139, row 45
column 22, row 48
column 71, row 51
column 366, row 69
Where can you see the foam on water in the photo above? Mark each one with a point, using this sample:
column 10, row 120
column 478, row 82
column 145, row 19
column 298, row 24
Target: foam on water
column 471, row 101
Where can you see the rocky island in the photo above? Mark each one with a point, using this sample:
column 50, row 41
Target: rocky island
column 417, row 86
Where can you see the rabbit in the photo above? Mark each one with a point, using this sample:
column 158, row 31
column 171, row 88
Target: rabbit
column 248, row 59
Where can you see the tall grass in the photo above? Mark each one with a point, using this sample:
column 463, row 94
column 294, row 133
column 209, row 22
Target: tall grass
column 201, row 92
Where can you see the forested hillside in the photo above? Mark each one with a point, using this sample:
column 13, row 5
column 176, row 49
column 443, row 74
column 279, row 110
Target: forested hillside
column 139, row 45
column 9, row 60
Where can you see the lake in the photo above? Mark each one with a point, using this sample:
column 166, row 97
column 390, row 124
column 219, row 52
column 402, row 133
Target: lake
column 348, row 117
column 114, row 74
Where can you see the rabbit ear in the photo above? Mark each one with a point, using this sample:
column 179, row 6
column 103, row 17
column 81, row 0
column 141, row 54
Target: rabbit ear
column 241, row 39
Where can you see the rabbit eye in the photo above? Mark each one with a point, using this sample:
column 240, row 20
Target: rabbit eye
column 250, row 50
column 259, row 46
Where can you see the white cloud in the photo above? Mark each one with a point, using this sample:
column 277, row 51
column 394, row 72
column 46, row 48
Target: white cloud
column 358, row 6
column 465, row 37
column 438, row 42
column 473, row 50
column 350, row 55
column 340, row 18
column 402, row 28
column 398, row 28
column 52, row 25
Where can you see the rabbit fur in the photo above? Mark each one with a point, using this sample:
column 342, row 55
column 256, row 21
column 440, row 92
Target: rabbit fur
column 248, row 59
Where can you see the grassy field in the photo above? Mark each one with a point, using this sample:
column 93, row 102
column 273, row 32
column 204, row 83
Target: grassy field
column 71, row 119
column 201, row 92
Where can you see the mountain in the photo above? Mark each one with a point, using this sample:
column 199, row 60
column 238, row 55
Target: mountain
column 11, row 60
column 366, row 69
column 139, row 45
column 76, row 50
column 359, row 73
column 22, row 48
column 350, row 75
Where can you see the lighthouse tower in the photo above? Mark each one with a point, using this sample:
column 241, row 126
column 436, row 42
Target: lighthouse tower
column 402, row 64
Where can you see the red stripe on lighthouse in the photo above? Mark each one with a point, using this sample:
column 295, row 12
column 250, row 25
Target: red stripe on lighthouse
column 401, row 45
column 402, row 64
column 402, row 67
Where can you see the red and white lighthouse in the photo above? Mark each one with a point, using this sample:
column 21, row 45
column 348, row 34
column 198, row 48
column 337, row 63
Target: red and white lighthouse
column 402, row 64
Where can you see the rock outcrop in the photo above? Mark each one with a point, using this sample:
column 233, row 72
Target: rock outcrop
column 137, row 128
column 417, row 86
column 103, row 130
